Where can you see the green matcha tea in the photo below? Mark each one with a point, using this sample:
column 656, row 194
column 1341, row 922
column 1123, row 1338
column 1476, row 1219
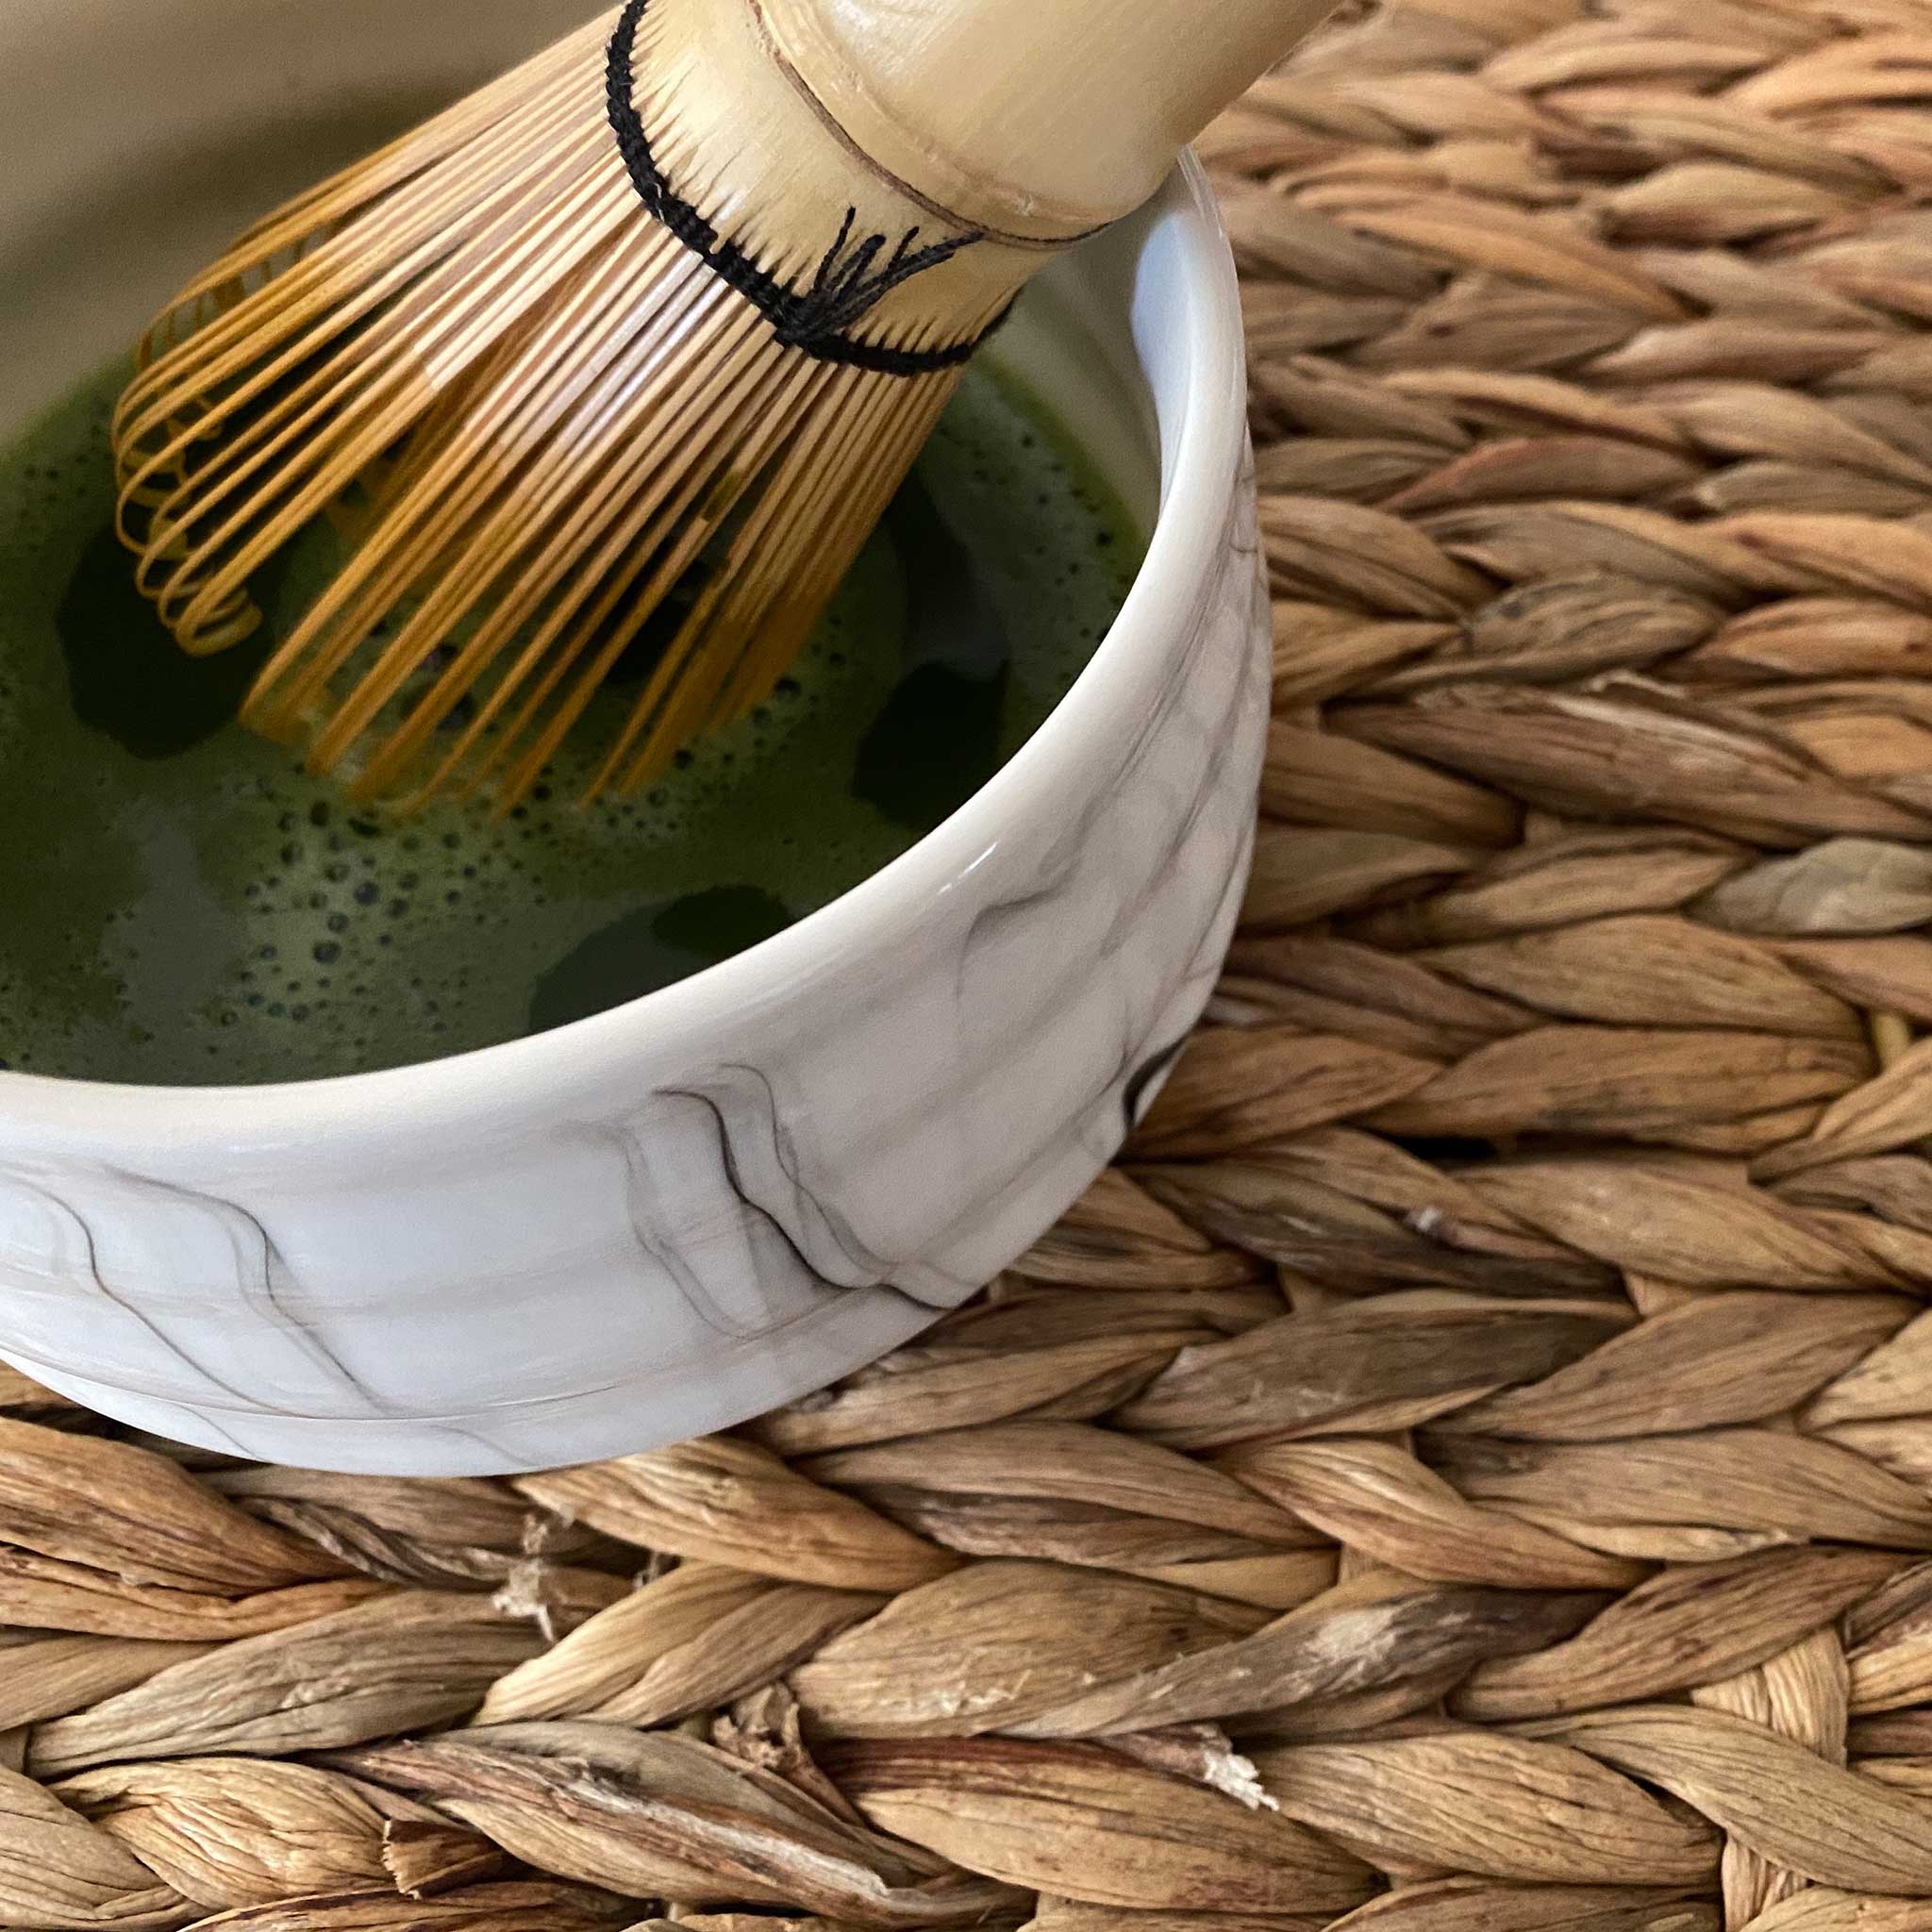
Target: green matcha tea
column 179, row 903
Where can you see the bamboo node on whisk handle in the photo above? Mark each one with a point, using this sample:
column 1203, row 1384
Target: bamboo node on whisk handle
column 1047, row 118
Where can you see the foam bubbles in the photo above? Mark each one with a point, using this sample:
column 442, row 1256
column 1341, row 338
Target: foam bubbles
column 212, row 914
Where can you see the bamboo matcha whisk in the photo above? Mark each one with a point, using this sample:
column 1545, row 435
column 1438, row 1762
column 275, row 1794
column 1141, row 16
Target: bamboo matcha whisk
column 650, row 329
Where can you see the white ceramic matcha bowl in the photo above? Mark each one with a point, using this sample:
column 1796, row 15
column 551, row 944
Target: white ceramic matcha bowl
column 666, row 1218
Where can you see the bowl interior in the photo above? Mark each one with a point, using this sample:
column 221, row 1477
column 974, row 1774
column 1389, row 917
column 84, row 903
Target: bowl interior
column 137, row 139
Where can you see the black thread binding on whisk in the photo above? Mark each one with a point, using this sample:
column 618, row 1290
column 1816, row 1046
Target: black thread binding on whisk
column 816, row 319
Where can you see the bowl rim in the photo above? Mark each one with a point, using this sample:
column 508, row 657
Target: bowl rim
column 56, row 1114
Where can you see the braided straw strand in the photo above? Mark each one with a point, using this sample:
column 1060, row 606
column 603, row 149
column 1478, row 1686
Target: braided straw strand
column 1468, row 1466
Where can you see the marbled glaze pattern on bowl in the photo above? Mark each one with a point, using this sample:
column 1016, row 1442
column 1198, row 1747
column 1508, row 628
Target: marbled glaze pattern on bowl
column 668, row 1216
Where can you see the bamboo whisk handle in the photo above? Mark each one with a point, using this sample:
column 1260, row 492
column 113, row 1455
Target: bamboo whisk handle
column 1042, row 118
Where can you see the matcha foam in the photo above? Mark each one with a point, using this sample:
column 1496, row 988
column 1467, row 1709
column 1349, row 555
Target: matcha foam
column 182, row 904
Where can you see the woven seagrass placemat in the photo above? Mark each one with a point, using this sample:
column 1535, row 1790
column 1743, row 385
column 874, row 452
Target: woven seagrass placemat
column 1468, row 1469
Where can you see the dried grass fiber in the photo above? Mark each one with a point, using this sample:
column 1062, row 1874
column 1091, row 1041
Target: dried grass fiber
column 1469, row 1467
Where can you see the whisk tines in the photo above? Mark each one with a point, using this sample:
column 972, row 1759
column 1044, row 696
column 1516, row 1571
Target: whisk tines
column 554, row 414
column 622, row 357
